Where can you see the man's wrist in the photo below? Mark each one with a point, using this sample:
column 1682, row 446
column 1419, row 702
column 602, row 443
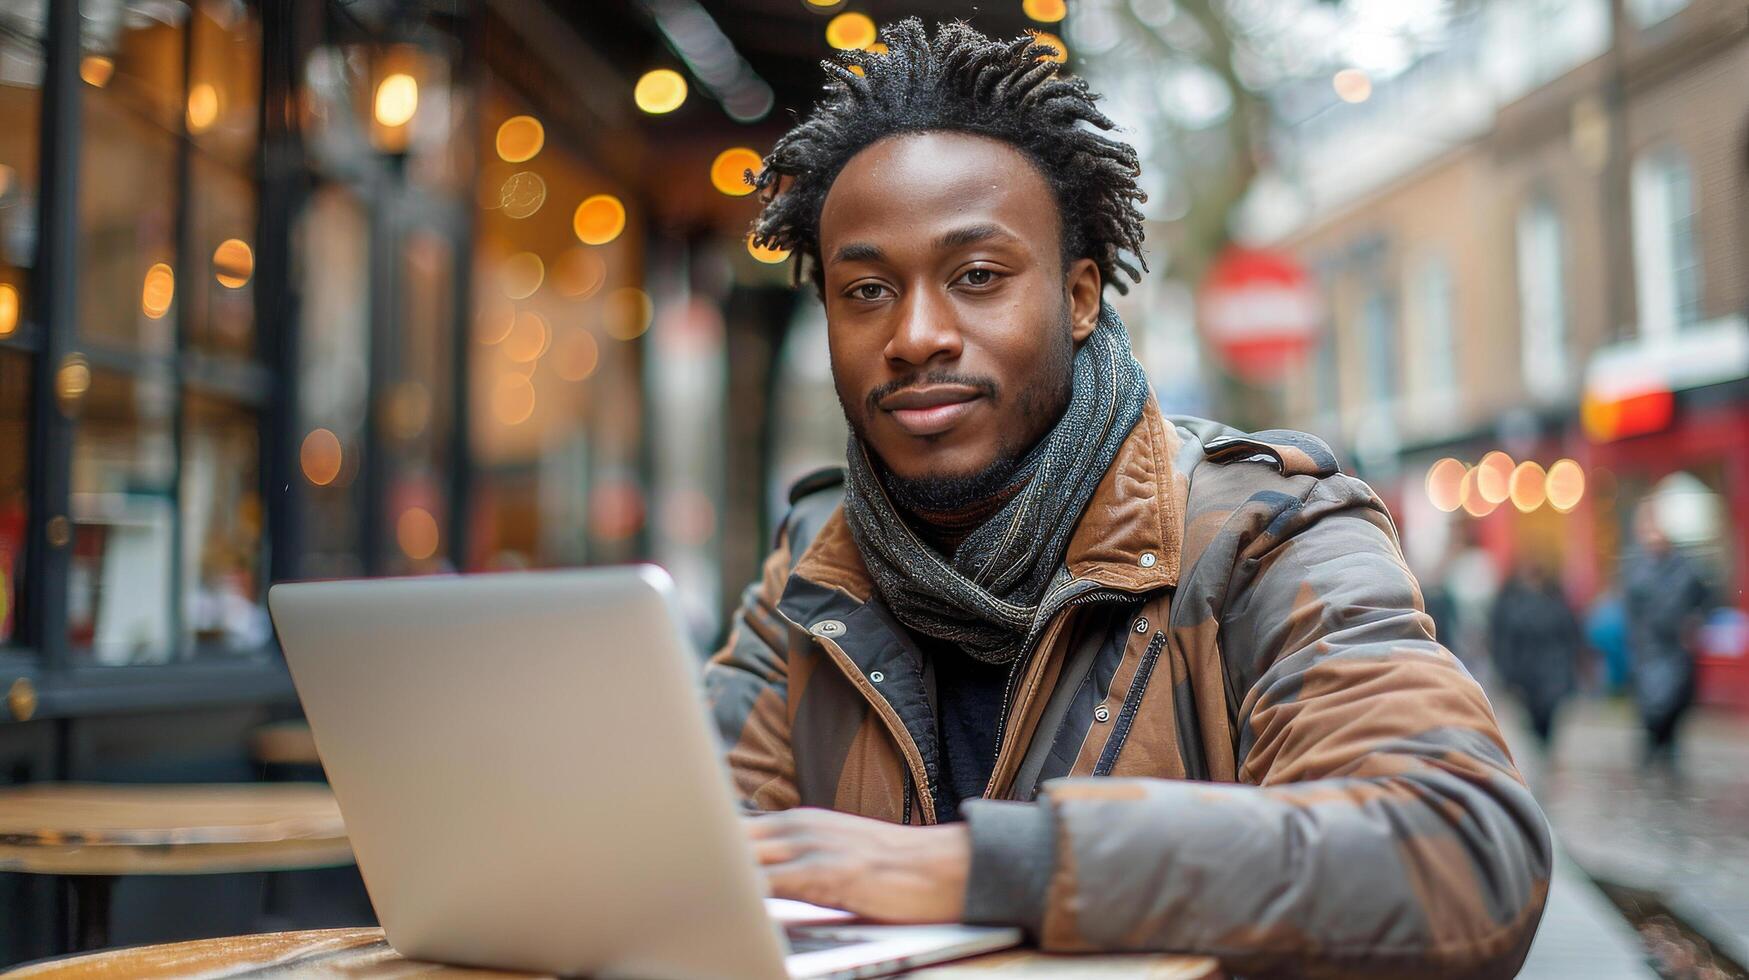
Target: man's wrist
column 1013, row 853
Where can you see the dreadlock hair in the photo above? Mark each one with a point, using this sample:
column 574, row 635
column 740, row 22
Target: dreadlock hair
column 959, row 81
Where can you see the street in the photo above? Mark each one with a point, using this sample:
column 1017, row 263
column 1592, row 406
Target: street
column 1683, row 839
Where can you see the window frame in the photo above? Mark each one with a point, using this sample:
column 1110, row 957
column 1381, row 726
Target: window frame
column 262, row 381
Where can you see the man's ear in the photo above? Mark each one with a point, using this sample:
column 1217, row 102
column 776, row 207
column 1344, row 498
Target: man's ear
column 1083, row 288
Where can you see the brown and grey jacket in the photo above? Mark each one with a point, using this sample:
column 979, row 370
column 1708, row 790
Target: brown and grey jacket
column 1296, row 777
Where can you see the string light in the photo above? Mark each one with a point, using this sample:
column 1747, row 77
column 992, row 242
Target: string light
column 850, row 31
column 520, row 138
column 729, row 170
column 397, row 100
column 660, row 91
column 599, row 219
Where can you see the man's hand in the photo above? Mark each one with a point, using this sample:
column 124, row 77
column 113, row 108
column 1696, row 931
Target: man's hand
column 878, row 870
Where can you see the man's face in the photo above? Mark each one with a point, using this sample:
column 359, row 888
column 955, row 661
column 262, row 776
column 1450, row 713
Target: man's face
column 951, row 318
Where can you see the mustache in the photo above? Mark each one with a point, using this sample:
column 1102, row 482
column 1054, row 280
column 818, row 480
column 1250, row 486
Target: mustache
column 984, row 386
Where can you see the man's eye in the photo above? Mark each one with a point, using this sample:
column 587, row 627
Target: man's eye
column 978, row 277
column 868, row 291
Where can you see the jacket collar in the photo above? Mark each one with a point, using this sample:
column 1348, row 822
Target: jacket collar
column 1128, row 538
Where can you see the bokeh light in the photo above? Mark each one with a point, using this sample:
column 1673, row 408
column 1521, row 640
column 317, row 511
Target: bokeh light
column 627, row 313
column 72, row 381
column 512, row 398
column 233, row 263
column 660, row 91
column 522, row 194
column 203, row 107
column 397, row 100
column 1352, row 85
column 599, row 219
column 1527, row 488
column 1494, row 477
column 96, row 69
column 1474, row 503
column 578, row 272
column 616, row 509
column 521, row 274
column 850, row 31
column 1045, row 11
column 528, row 338
column 575, row 354
column 688, row 516
column 729, row 170
column 320, row 457
column 1565, row 485
column 1445, row 481
column 493, row 323
column 8, row 309
column 520, row 139
column 770, row 256
column 1059, row 52
column 416, row 533
column 158, row 291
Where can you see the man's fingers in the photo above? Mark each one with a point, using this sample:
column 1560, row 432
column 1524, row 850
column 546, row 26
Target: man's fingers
column 805, row 880
column 776, row 850
column 779, row 824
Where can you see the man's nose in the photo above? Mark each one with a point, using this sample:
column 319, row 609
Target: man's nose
column 926, row 330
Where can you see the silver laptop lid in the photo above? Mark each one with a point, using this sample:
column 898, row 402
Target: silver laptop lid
column 526, row 773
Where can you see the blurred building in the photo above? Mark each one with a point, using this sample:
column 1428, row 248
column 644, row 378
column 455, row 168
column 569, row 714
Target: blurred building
column 1534, row 247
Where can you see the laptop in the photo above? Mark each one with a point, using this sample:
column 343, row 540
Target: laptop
column 530, row 781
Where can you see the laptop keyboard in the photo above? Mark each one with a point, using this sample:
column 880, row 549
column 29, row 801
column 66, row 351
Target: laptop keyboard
column 813, row 941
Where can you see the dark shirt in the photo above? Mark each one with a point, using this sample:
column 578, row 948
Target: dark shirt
column 968, row 708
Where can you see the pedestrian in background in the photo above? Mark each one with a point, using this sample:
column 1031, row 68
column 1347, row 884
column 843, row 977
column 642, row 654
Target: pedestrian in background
column 1665, row 600
column 1534, row 638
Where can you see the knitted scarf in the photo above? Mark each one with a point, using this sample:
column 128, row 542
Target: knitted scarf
column 988, row 597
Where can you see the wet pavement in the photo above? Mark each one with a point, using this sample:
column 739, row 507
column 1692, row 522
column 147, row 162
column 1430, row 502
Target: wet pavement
column 1682, row 836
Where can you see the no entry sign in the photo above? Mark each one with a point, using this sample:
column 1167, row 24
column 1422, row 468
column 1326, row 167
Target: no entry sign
column 1260, row 312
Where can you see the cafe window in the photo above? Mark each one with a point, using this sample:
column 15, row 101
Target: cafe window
column 184, row 436
column 332, row 242
column 167, row 545
column 21, row 70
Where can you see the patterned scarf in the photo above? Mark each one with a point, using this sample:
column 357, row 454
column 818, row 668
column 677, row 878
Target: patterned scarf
column 988, row 597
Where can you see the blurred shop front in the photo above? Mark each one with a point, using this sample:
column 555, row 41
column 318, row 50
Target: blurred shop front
column 333, row 289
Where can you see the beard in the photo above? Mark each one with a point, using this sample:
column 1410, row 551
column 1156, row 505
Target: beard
column 1041, row 401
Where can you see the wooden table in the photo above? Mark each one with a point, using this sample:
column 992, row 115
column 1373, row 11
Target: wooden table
column 361, row 954
column 284, row 743
column 97, row 832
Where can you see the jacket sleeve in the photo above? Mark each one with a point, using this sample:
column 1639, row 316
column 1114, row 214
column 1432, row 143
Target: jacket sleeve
column 1379, row 826
column 747, row 686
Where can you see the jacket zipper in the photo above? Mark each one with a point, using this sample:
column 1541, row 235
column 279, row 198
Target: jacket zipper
column 1132, row 702
column 905, row 817
column 1087, row 598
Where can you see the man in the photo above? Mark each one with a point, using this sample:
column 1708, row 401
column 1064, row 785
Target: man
column 1055, row 660
column 1664, row 600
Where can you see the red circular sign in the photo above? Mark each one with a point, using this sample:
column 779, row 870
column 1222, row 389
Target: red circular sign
column 1260, row 311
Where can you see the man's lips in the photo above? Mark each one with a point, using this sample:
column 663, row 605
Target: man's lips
column 929, row 410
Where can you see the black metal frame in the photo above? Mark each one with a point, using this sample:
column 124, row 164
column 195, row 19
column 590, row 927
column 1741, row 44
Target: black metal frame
column 48, row 330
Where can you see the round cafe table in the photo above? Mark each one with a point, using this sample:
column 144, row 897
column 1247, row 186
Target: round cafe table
column 361, row 954
column 93, row 833
column 284, row 743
